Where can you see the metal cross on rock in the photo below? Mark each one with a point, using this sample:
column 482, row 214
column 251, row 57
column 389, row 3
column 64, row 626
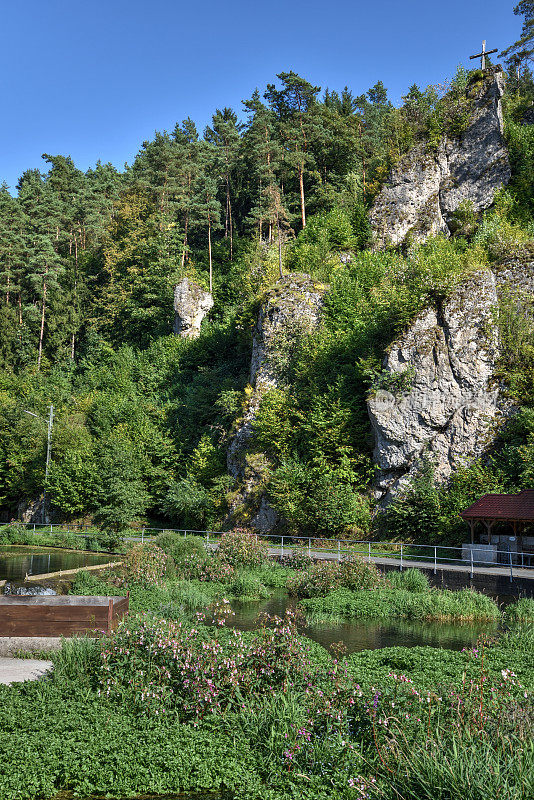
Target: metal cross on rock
column 483, row 55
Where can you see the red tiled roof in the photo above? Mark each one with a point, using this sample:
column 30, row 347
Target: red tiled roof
column 503, row 506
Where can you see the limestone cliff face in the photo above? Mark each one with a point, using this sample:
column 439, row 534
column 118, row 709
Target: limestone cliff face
column 449, row 406
column 426, row 186
column 191, row 304
column 290, row 310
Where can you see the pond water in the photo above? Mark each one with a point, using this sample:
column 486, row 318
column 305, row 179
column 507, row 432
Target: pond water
column 366, row 634
column 17, row 561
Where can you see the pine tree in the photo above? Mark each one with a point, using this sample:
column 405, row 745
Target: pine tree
column 43, row 215
column 262, row 153
column 295, row 105
column 520, row 53
column 207, row 206
column 189, row 157
column 225, row 136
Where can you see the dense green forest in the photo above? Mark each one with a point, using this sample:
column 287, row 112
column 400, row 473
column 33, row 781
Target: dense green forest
column 88, row 262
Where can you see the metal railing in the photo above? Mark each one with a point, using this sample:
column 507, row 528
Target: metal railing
column 402, row 553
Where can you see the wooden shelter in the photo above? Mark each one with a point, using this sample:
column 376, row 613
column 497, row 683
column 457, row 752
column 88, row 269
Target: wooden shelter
column 515, row 510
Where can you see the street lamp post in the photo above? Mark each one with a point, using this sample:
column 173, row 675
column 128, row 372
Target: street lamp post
column 48, row 451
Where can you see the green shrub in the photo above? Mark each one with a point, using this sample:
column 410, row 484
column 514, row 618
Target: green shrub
column 249, row 586
column 521, row 611
column 388, row 603
column 318, row 500
column 180, row 547
column 412, row 580
column 325, row 576
column 242, row 548
column 146, row 565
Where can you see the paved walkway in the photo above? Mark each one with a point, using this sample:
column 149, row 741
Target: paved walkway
column 321, row 555
column 16, row 670
column 465, row 567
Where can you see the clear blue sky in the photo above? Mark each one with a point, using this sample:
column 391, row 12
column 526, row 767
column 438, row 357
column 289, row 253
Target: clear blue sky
column 93, row 79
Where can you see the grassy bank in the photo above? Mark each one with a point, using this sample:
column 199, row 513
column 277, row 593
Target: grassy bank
column 387, row 603
column 166, row 707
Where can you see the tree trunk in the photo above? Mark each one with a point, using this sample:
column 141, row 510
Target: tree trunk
column 41, row 332
column 184, row 249
column 302, row 204
column 231, row 231
column 209, row 248
column 279, row 247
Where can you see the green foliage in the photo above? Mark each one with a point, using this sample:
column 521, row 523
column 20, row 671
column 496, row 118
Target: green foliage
column 317, row 247
column 463, row 221
column 323, row 577
column 317, row 500
column 385, row 603
column 521, row 611
column 242, row 548
column 412, row 580
column 416, row 511
column 146, row 565
column 397, row 383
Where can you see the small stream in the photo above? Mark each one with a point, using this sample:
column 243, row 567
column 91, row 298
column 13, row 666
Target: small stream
column 366, row 634
column 17, row 561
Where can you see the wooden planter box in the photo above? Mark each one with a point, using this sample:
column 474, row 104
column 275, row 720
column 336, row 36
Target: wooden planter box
column 60, row 615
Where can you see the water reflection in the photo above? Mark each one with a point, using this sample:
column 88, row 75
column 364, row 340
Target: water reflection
column 16, row 562
column 367, row 634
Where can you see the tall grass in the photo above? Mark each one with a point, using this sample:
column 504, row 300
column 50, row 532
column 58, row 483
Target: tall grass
column 386, row 603
column 413, row 580
column 521, row 611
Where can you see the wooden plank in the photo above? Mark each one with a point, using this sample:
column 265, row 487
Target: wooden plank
column 44, row 614
column 55, row 600
column 32, row 628
column 120, row 609
column 65, row 572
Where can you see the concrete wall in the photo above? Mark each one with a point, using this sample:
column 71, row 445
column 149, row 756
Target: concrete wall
column 488, row 584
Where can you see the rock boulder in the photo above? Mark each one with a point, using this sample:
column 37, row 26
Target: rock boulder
column 191, row 304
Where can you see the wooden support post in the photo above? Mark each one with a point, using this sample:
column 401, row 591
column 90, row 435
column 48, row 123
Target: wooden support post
column 110, row 614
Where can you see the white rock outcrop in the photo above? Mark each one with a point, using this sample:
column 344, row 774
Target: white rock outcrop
column 448, row 410
column 191, row 304
column 426, row 186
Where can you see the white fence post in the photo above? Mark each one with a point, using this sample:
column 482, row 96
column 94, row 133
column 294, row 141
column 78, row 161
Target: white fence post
column 338, row 550
column 511, row 568
column 401, row 558
column 309, row 548
column 369, row 554
column 435, row 559
column 142, row 535
column 282, row 548
column 471, row 552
